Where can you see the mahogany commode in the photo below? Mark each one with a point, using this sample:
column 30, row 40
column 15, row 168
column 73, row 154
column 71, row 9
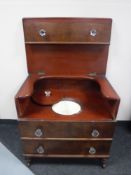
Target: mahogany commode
column 66, row 59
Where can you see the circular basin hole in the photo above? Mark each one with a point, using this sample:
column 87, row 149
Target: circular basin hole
column 66, row 107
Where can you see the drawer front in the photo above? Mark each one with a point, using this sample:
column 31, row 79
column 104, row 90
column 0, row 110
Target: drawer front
column 67, row 31
column 67, row 147
column 44, row 129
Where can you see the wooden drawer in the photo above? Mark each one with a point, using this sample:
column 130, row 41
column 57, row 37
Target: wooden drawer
column 44, row 129
column 71, row 30
column 66, row 147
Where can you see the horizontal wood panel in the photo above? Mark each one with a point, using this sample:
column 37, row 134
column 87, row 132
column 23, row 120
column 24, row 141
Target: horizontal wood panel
column 66, row 59
column 67, row 147
column 66, row 156
column 57, row 31
column 66, row 129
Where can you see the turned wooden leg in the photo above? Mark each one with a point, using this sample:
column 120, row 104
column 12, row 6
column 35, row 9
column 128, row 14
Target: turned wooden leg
column 103, row 163
column 28, row 160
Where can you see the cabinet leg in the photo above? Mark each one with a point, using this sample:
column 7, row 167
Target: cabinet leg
column 28, row 160
column 103, row 163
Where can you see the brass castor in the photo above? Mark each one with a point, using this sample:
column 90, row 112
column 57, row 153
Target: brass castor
column 103, row 163
column 28, row 160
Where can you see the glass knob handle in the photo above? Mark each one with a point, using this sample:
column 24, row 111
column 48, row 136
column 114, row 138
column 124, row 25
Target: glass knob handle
column 93, row 32
column 38, row 132
column 47, row 93
column 95, row 133
column 40, row 150
column 92, row 150
column 42, row 32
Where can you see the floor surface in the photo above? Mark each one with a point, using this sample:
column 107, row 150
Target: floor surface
column 9, row 162
column 118, row 164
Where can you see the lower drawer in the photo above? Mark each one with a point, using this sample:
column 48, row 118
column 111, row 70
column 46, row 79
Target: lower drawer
column 66, row 147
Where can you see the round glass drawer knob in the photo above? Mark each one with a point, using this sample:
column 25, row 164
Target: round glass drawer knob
column 95, row 133
column 40, row 150
column 92, row 150
column 93, row 32
column 42, row 32
column 38, row 132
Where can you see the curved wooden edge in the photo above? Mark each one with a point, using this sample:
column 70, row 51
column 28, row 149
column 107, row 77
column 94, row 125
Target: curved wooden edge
column 27, row 87
column 24, row 92
column 106, row 89
column 113, row 100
